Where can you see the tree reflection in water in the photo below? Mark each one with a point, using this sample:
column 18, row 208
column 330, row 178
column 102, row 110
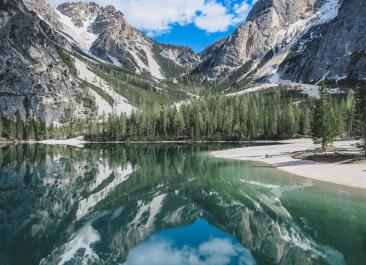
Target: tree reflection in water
column 115, row 204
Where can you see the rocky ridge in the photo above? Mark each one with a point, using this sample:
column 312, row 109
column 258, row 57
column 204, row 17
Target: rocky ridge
column 335, row 51
column 268, row 25
column 119, row 43
column 34, row 81
column 265, row 46
column 292, row 41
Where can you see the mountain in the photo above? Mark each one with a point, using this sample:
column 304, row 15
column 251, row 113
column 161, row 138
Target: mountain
column 291, row 40
column 335, row 51
column 104, row 32
column 268, row 25
column 53, row 66
column 84, row 60
column 34, row 81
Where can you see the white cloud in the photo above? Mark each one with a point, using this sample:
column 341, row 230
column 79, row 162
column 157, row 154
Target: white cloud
column 215, row 252
column 214, row 17
column 242, row 10
column 158, row 16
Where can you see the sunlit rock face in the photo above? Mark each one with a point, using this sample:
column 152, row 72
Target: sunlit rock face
column 119, row 43
column 299, row 41
column 334, row 51
column 33, row 79
column 45, row 11
column 269, row 24
column 80, row 12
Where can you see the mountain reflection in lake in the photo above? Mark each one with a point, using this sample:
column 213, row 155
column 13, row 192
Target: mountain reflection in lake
column 169, row 204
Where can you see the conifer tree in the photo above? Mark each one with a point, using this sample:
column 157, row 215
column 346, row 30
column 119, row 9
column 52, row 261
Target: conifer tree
column 178, row 123
column 305, row 122
column 324, row 122
column 1, row 126
column 19, row 126
column 361, row 111
column 350, row 112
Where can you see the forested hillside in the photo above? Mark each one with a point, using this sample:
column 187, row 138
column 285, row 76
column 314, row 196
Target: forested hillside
column 271, row 114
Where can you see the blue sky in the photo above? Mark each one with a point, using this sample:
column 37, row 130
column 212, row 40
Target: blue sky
column 193, row 23
column 192, row 36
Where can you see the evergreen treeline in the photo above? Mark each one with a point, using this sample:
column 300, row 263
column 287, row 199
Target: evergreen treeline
column 23, row 130
column 270, row 115
column 264, row 115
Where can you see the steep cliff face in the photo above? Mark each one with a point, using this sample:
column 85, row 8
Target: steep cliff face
column 269, row 24
column 33, row 79
column 333, row 51
column 45, row 11
column 115, row 41
column 298, row 41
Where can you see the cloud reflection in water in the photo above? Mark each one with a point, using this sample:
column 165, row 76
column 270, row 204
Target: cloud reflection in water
column 216, row 251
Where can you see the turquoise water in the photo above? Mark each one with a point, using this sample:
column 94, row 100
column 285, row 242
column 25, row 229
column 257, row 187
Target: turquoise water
column 169, row 204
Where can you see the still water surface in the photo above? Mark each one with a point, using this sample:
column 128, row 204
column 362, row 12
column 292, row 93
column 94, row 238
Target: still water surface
column 169, row 204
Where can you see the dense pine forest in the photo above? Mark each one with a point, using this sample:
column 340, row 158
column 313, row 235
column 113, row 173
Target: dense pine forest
column 265, row 115
column 271, row 114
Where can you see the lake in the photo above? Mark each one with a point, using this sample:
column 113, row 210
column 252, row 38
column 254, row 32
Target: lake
column 169, row 204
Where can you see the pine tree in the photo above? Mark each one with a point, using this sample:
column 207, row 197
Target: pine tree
column 19, row 126
column 361, row 112
column 289, row 126
column 324, row 125
column 44, row 130
column 305, row 122
column 11, row 132
column 350, row 113
column 1, row 126
column 178, row 123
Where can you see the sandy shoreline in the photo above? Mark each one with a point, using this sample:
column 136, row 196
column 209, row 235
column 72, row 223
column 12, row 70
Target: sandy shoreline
column 280, row 157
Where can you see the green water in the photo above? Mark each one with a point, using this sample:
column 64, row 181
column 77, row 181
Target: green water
column 169, row 204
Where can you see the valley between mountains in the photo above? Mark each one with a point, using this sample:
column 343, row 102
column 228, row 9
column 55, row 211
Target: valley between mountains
column 82, row 65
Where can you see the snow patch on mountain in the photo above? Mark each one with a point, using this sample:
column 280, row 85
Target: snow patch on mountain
column 151, row 67
column 328, row 11
column 115, row 61
column 287, row 38
column 78, row 35
column 154, row 67
column 120, row 105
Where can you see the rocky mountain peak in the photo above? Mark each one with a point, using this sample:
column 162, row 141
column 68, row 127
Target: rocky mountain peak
column 80, row 12
column 34, row 81
column 271, row 25
column 290, row 11
column 100, row 19
column 109, row 18
column 109, row 37
column 334, row 51
column 45, row 11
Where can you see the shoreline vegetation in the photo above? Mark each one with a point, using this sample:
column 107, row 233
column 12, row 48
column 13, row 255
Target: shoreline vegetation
column 343, row 163
column 80, row 141
column 250, row 117
column 267, row 115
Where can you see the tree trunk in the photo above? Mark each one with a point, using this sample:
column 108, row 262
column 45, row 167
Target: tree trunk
column 364, row 137
column 324, row 145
